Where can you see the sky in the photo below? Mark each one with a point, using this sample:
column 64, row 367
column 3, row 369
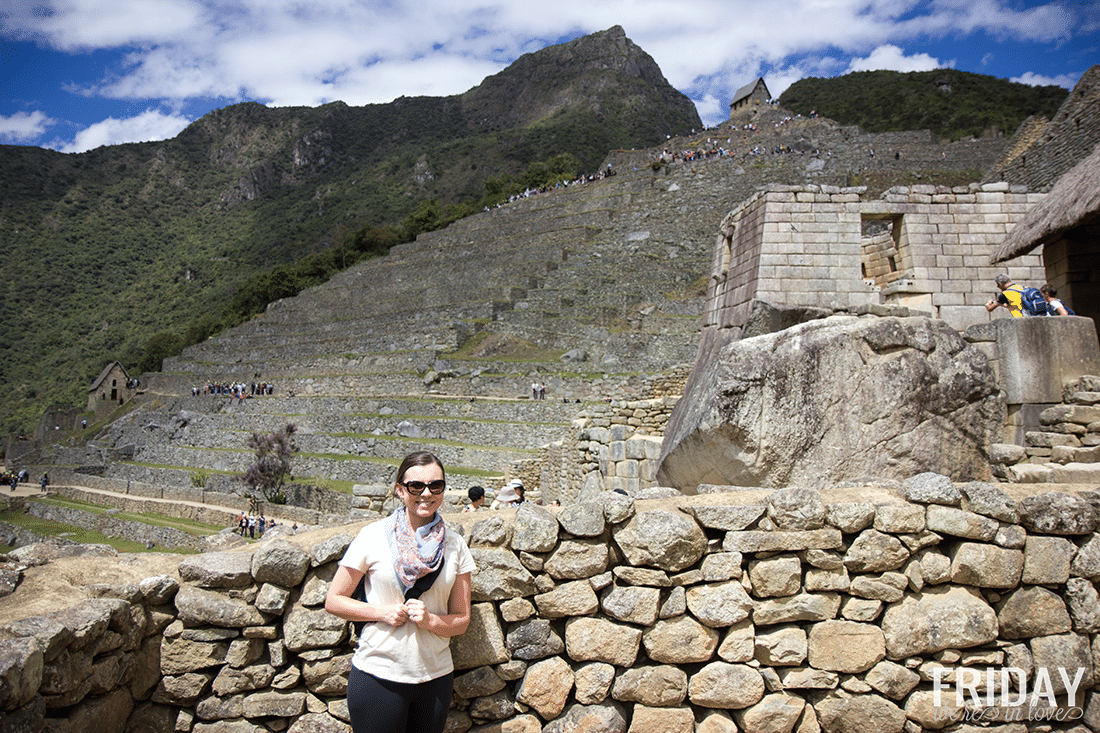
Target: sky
column 78, row 74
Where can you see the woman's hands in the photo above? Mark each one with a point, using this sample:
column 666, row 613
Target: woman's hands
column 399, row 614
column 394, row 615
column 417, row 612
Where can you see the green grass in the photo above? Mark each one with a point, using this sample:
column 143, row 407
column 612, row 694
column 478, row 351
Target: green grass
column 190, row 526
column 48, row 528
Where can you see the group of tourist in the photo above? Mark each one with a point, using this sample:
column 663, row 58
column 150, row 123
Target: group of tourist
column 511, row 495
column 529, row 192
column 252, row 526
column 12, row 479
column 1021, row 300
column 237, row 390
column 538, row 390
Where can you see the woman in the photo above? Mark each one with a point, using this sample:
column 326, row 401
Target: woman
column 510, row 496
column 417, row 591
column 1055, row 307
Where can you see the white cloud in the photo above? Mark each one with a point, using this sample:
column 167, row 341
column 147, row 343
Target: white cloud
column 23, row 127
column 149, row 125
column 892, row 58
column 711, row 110
column 79, row 25
column 285, row 52
column 1038, row 80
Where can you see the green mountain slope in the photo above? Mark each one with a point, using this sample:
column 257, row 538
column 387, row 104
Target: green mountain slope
column 101, row 250
column 952, row 104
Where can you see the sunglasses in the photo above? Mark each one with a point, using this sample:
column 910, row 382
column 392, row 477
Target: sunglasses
column 416, row 488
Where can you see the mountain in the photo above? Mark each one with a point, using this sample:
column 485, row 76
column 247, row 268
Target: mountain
column 101, row 250
column 952, row 104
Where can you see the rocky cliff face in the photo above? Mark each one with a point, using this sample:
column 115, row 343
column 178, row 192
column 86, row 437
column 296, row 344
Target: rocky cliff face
column 603, row 71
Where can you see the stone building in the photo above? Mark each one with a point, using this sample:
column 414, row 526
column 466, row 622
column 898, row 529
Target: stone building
column 110, row 389
column 750, row 95
column 1065, row 230
column 927, row 248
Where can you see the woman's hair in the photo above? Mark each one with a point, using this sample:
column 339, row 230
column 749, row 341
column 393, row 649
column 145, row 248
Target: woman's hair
column 418, row 458
column 1048, row 290
column 475, row 493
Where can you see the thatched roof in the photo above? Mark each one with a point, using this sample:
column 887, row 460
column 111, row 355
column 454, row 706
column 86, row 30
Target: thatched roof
column 1073, row 200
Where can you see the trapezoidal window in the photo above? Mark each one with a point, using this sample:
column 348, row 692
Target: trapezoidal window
column 883, row 247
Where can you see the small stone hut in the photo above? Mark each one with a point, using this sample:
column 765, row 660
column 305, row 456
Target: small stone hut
column 750, row 95
column 110, row 389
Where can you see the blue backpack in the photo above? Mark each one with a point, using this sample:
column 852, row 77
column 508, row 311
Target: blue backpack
column 1032, row 301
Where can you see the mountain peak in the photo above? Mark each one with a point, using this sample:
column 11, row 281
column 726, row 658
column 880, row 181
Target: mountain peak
column 579, row 74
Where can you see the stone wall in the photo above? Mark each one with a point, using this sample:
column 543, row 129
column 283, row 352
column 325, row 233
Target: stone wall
column 781, row 611
column 805, row 246
column 1061, row 442
column 1059, row 144
column 212, row 507
column 111, row 526
column 615, row 445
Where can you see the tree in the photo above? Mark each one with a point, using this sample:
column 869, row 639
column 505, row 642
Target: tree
column 272, row 465
column 159, row 347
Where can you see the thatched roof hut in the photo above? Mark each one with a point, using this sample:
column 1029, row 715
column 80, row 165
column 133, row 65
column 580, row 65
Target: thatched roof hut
column 1073, row 202
column 1066, row 224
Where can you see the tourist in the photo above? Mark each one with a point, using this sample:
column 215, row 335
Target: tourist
column 1011, row 297
column 415, row 576
column 45, row 481
column 1055, row 307
column 477, row 499
column 509, row 496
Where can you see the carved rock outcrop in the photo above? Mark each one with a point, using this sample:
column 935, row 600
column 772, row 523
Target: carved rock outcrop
column 831, row 400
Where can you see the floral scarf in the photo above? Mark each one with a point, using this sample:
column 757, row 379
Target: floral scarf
column 416, row 553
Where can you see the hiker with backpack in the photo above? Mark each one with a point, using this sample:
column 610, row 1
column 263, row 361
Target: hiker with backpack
column 1020, row 300
column 1055, row 307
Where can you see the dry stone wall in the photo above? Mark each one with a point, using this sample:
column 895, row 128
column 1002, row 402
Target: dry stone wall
column 614, row 446
column 784, row 611
column 1049, row 149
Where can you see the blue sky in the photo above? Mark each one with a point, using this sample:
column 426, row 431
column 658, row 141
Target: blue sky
column 79, row 74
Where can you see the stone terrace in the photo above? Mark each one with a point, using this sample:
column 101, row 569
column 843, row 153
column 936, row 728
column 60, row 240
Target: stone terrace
column 614, row 269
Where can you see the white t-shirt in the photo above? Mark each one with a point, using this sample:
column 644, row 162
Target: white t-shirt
column 405, row 653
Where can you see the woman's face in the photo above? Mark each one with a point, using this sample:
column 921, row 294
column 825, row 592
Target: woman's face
column 421, row 509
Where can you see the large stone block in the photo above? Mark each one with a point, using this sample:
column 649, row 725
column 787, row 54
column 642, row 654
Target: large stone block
column 845, row 646
column 483, row 642
column 949, row 617
column 843, row 398
column 661, row 539
column 595, row 639
column 1039, row 355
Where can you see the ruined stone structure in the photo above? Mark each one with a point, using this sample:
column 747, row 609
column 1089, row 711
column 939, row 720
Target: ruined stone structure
column 781, row 611
column 1043, row 150
column 922, row 247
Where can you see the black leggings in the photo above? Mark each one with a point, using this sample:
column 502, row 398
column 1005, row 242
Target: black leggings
column 381, row 706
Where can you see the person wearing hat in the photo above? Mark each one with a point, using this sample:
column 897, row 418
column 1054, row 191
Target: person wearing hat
column 511, row 495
